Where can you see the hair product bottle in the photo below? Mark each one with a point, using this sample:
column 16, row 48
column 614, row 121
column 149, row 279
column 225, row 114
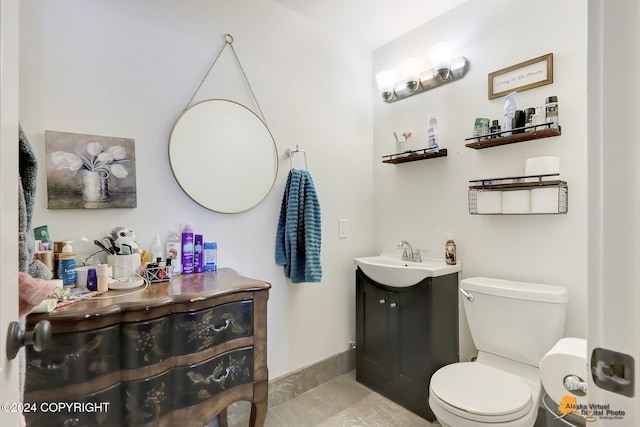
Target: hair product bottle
column 198, row 255
column 187, row 250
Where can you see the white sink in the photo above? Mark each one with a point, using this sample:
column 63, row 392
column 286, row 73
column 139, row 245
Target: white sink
column 391, row 270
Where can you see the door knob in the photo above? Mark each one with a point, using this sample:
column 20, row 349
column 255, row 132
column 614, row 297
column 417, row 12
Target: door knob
column 39, row 338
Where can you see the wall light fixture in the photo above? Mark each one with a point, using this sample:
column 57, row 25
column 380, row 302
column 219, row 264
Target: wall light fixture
column 416, row 77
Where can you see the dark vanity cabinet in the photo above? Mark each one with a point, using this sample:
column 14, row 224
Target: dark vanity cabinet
column 174, row 354
column 403, row 335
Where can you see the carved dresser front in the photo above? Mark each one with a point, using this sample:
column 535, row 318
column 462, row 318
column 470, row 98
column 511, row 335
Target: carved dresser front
column 174, row 354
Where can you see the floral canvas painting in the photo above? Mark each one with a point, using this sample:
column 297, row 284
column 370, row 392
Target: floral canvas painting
column 90, row 171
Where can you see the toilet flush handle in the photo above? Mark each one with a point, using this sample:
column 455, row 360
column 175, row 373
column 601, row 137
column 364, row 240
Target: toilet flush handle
column 466, row 294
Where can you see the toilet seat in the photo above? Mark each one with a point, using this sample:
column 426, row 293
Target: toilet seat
column 481, row 393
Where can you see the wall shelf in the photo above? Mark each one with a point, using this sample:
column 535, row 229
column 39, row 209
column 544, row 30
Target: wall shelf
column 487, row 196
column 495, row 139
column 412, row 156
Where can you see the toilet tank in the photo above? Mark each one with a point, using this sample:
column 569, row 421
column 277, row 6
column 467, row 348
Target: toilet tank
column 517, row 320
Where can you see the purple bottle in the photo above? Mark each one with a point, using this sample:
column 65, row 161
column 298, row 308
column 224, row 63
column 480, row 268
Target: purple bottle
column 187, row 250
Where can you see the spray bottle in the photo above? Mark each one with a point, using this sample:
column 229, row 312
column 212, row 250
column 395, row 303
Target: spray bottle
column 432, row 134
column 187, row 250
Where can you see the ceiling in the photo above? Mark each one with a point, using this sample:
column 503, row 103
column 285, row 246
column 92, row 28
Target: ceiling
column 370, row 23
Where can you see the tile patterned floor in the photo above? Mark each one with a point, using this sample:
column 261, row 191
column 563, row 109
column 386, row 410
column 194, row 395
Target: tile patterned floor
column 341, row 402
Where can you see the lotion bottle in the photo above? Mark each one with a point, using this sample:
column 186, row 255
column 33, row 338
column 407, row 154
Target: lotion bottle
column 67, row 265
column 450, row 251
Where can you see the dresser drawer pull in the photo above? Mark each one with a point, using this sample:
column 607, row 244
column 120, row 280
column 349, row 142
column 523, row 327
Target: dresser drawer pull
column 224, row 376
column 222, row 327
column 53, row 366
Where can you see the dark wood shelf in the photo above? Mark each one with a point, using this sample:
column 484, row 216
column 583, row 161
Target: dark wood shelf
column 517, row 185
column 507, row 184
column 413, row 156
column 511, row 139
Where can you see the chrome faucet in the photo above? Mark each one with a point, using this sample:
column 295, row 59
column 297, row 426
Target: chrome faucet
column 409, row 254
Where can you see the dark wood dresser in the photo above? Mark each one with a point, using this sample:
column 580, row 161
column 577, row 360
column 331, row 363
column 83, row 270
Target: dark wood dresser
column 176, row 354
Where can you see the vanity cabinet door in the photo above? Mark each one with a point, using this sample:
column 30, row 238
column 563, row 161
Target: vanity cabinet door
column 372, row 331
column 404, row 335
column 411, row 351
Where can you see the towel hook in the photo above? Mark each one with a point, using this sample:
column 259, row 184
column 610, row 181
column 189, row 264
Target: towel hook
column 292, row 151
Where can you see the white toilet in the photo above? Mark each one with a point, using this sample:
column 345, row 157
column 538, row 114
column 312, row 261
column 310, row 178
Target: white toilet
column 513, row 324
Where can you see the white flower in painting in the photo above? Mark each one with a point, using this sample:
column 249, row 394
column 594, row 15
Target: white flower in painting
column 104, row 157
column 117, row 152
column 64, row 160
column 94, row 148
column 119, row 171
column 99, row 159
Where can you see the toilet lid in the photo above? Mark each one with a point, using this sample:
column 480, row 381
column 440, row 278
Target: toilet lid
column 477, row 391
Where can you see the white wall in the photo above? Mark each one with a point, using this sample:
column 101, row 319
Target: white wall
column 127, row 69
column 421, row 201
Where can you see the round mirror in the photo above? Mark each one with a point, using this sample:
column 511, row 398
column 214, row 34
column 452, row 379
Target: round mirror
column 223, row 156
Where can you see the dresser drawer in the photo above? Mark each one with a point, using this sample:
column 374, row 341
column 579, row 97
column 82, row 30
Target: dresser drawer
column 197, row 331
column 73, row 358
column 102, row 408
column 145, row 343
column 197, row 383
column 147, row 400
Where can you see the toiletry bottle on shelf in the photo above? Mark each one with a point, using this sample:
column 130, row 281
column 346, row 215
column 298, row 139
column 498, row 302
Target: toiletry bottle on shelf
column 432, row 134
column 529, row 115
column 198, row 255
column 538, row 118
column 187, row 250
column 450, row 251
column 173, row 251
column 551, row 111
column 67, row 265
column 495, row 128
column 155, row 251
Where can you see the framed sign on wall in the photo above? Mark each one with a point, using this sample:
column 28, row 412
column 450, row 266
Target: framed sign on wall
column 525, row 75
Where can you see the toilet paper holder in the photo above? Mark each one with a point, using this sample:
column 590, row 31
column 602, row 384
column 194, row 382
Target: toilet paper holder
column 575, row 385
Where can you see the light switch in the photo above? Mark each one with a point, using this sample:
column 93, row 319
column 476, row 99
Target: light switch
column 343, row 228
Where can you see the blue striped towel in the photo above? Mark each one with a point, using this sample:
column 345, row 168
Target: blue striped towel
column 299, row 230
